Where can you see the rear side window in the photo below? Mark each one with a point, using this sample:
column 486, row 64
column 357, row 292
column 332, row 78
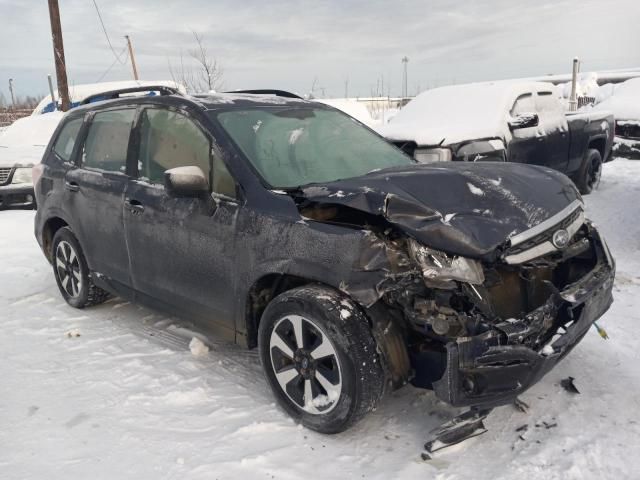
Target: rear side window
column 67, row 139
column 108, row 140
column 169, row 140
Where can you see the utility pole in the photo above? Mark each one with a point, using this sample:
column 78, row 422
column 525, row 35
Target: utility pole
column 405, row 62
column 58, row 55
column 13, row 99
column 133, row 59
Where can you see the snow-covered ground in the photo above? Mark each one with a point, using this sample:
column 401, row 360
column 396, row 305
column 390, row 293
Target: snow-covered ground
column 127, row 398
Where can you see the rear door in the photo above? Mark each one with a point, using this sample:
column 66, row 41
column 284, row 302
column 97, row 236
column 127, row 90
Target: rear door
column 182, row 249
column 95, row 189
column 527, row 145
column 555, row 128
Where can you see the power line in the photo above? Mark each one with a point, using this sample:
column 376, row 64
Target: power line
column 111, row 66
column 104, row 29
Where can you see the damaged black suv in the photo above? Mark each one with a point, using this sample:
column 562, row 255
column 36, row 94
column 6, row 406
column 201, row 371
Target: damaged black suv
column 286, row 225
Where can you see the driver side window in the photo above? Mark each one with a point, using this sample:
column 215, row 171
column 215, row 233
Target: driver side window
column 168, row 140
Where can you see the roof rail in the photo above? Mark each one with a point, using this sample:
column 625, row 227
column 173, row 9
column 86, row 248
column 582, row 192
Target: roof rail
column 277, row 93
column 112, row 94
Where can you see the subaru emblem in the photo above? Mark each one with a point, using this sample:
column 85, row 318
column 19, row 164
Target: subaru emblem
column 560, row 238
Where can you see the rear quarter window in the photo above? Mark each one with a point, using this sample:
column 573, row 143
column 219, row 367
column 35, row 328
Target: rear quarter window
column 63, row 147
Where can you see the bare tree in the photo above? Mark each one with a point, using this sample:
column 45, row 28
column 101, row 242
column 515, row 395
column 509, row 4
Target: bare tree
column 207, row 74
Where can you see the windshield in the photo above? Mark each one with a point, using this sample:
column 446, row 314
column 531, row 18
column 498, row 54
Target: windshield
column 294, row 146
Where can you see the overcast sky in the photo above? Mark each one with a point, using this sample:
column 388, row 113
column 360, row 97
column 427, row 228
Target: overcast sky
column 288, row 44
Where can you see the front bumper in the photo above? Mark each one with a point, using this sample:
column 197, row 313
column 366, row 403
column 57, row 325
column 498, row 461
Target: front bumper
column 17, row 196
column 495, row 367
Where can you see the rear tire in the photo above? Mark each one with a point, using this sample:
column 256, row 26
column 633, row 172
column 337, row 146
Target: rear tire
column 320, row 358
column 589, row 175
column 72, row 273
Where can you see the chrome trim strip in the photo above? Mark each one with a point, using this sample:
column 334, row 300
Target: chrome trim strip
column 545, row 247
column 537, row 251
column 546, row 225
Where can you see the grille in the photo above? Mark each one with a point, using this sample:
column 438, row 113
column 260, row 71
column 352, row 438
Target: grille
column 4, row 175
column 546, row 235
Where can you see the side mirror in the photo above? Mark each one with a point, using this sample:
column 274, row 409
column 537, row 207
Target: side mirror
column 186, row 182
column 524, row 120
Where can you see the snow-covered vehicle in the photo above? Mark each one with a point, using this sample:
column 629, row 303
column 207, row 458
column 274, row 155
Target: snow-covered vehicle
column 624, row 103
column 522, row 122
column 22, row 145
column 284, row 224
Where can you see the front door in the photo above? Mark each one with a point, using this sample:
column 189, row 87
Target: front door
column 182, row 249
column 95, row 192
column 527, row 145
column 554, row 125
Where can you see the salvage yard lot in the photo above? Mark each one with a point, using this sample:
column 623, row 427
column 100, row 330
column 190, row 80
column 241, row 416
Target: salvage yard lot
column 127, row 399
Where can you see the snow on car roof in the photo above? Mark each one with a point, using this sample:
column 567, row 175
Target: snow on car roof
column 33, row 130
column 458, row 112
column 24, row 141
column 624, row 101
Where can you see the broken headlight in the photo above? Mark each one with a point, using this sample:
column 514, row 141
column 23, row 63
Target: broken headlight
column 440, row 267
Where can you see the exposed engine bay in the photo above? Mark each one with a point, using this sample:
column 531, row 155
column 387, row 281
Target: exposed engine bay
column 476, row 330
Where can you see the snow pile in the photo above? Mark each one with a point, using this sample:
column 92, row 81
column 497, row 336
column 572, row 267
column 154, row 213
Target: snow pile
column 586, row 86
column 459, row 112
column 198, row 347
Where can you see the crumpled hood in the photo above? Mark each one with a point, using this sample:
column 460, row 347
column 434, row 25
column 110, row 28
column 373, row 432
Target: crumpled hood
column 466, row 209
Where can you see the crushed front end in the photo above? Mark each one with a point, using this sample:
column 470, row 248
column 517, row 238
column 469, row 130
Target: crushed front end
column 481, row 332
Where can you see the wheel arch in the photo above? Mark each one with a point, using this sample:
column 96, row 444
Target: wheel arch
column 263, row 290
column 49, row 229
column 599, row 144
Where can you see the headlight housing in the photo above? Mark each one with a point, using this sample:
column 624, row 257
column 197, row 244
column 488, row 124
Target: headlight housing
column 440, row 267
column 426, row 155
column 22, row 175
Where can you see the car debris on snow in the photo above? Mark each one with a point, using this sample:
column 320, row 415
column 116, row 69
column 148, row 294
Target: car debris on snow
column 520, row 405
column 569, row 386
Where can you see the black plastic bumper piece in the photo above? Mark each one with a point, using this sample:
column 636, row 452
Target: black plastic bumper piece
column 17, row 196
column 482, row 372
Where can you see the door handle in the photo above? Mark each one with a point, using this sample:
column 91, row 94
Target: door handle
column 71, row 186
column 134, row 206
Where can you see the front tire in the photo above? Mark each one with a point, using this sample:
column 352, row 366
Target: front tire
column 72, row 273
column 320, row 358
column 590, row 172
